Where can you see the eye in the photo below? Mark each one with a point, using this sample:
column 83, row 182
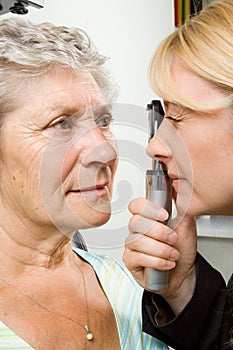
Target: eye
column 104, row 121
column 171, row 118
column 61, row 124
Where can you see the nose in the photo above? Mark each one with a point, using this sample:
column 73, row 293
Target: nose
column 159, row 150
column 98, row 149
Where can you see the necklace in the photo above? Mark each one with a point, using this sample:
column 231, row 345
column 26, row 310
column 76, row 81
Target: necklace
column 89, row 335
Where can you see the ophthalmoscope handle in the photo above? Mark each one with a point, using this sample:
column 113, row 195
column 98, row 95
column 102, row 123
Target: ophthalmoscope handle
column 158, row 190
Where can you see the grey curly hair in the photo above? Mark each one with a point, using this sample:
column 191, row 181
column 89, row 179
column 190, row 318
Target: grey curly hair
column 30, row 50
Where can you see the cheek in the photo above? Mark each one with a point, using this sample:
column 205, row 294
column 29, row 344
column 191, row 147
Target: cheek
column 205, row 158
column 21, row 162
column 20, row 179
column 67, row 161
column 57, row 161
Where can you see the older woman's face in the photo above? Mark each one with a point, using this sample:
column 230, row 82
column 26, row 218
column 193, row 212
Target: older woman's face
column 58, row 155
column 197, row 149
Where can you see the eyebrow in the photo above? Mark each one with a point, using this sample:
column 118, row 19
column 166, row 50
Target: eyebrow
column 63, row 108
column 54, row 108
column 60, row 108
column 102, row 108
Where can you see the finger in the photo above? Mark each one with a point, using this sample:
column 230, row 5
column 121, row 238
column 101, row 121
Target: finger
column 148, row 209
column 153, row 229
column 136, row 260
column 149, row 247
column 138, row 273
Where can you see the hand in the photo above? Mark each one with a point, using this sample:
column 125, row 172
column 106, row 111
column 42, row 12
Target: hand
column 152, row 244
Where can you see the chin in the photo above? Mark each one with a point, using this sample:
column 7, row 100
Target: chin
column 101, row 221
column 91, row 212
column 75, row 218
column 97, row 216
column 183, row 205
column 94, row 220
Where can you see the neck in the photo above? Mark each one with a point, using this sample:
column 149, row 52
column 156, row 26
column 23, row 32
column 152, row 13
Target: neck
column 22, row 250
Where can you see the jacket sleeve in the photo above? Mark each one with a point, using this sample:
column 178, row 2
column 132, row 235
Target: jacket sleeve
column 198, row 326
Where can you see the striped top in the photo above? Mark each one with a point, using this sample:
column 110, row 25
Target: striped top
column 124, row 295
column 10, row 340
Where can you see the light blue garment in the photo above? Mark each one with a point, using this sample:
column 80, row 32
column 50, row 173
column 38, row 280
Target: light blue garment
column 11, row 341
column 124, row 295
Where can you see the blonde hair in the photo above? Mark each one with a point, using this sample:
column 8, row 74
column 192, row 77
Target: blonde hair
column 204, row 44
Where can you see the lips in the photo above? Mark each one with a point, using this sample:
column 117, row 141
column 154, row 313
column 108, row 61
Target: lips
column 176, row 180
column 175, row 177
column 100, row 186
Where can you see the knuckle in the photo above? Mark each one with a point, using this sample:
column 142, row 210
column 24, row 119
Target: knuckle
column 132, row 222
column 130, row 206
column 135, row 205
column 137, row 242
column 141, row 258
column 125, row 258
column 132, row 242
column 163, row 251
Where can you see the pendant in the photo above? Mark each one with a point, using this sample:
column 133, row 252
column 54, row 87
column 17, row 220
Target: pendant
column 89, row 335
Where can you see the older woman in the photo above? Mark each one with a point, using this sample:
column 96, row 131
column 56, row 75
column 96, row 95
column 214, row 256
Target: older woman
column 192, row 72
column 58, row 160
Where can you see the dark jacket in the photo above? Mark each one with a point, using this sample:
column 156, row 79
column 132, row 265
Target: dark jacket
column 205, row 322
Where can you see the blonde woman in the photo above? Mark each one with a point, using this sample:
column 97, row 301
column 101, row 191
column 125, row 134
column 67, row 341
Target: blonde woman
column 192, row 72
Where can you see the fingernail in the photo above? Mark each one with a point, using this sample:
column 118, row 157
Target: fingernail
column 174, row 255
column 171, row 263
column 163, row 215
column 172, row 237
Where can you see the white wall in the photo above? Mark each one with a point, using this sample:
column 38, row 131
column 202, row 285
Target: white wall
column 218, row 252
column 126, row 30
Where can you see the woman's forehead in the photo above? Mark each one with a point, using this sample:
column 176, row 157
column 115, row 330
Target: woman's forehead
column 191, row 86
